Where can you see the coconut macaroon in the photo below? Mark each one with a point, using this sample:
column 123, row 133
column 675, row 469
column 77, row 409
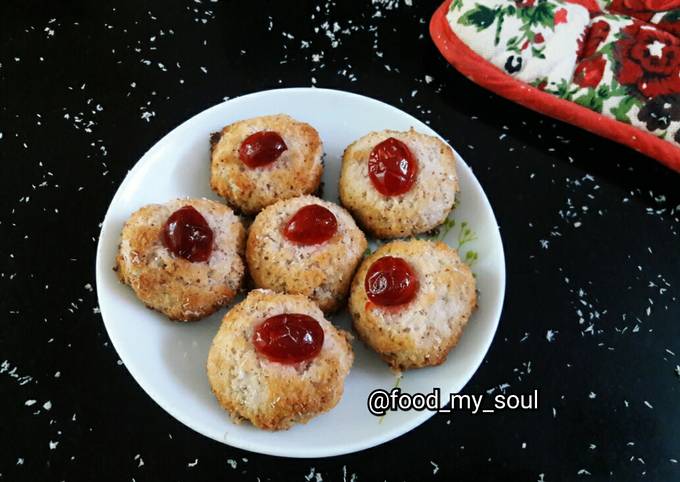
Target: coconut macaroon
column 258, row 161
column 277, row 361
column 410, row 301
column 397, row 184
column 306, row 246
column 183, row 258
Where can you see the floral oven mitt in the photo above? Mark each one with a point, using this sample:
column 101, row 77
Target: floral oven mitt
column 609, row 66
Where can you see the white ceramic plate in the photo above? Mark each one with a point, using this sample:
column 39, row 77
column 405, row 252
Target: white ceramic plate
column 168, row 359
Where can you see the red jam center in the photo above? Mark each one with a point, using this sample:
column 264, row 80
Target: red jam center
column 289, row 338
column 392, row 167
column 312, row 224
column 391, row 281
column 187, row 234
column 261, row 148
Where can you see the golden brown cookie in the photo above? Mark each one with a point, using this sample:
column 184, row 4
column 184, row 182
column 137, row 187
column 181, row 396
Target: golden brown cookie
column 270, row 394
column 181, row 289
column 423, row 207
column 422, row 331
column 323, row 271
column 297, row 169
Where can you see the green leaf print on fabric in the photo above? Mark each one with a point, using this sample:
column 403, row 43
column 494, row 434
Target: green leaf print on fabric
column 542, row 14
column 621, row 111
column 531, row 17
column 456, row 5
column 591, row 100
column 480, row 17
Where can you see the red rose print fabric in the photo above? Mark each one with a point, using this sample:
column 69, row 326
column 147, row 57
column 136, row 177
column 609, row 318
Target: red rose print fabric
column 649, row 60
column 665, row 14
column 633, row 6
column 630, row 70
column 589, row 71
column 598, row 33
column 617, row 66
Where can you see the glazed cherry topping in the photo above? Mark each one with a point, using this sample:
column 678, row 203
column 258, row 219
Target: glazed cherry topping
column 261, row 148
column 312, row 224
column 392, row 167
column 187, row 234
column 391, row 281
column 289, row 338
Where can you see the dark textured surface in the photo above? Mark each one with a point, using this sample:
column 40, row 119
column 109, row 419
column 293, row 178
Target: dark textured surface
column 590, row 231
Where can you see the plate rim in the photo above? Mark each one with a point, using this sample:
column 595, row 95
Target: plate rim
column 363, row 444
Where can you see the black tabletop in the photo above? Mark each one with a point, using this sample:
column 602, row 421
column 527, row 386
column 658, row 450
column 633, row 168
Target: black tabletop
column 590, row 229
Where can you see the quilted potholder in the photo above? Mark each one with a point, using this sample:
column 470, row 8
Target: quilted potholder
column 609, row 66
